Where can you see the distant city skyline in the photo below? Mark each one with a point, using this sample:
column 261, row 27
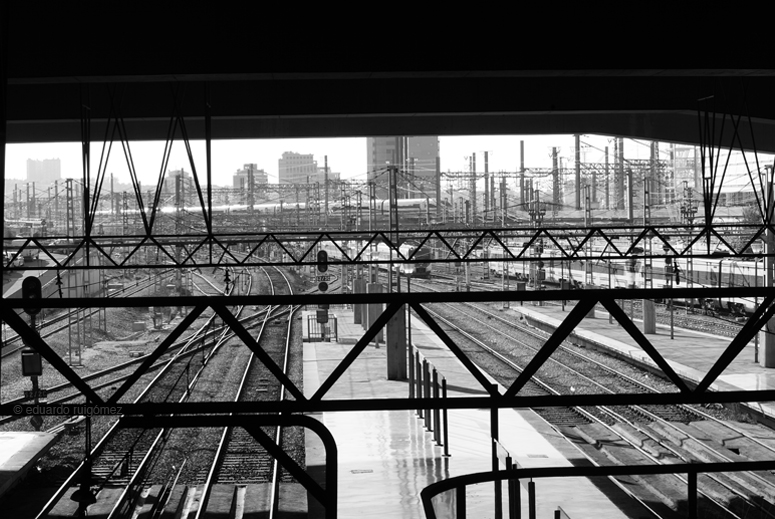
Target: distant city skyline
column 348, row 156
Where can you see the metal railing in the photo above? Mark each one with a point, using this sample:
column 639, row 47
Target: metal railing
column 322, row 332
column 424, row 382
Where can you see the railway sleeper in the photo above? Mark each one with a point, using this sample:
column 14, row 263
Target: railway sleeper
column 592, row 449
column 737, row 443
column 726, row 488
column 670, row 490
column 713, row 451
column 644, row 441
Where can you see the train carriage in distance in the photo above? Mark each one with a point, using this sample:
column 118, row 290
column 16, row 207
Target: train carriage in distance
column 418, row 265
column 720, row 271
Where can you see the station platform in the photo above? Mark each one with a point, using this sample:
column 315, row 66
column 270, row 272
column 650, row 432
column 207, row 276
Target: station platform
column 386, row 458
column 691, row 354
column 19, row 451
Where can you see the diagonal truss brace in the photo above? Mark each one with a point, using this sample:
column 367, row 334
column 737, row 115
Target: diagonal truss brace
column 288, row 463
column 578, row 313
column 762, row 315
column 256, row 348
column 644, row 343
column 470, row 366
column 364, row 341
column 158, row 352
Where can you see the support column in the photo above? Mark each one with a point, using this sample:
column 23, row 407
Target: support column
column 374, row 310
column 396, row 346
column 359, row 287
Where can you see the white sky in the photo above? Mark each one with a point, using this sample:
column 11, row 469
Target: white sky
column 345, row 155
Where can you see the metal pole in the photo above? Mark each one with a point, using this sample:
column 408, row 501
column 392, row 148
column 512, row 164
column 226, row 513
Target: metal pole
column 494, row 428
column 418, row 371
column 692, row 495
column 445, row 417
column 460, row 495
column 411, row 372
column 409, row 313
column 756, row 305
column 427, row 392
column 437, row 411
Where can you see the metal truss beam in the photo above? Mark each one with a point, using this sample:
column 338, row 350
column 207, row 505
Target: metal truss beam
column 416, row 300
column 412, row 298
column 222, row 409
column 615, row 243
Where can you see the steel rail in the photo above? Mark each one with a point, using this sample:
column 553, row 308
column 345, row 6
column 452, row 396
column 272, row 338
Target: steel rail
column 274, row 499
column 222, row 448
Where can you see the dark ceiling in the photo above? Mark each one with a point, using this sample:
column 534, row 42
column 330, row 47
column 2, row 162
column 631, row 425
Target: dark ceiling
column 272, row 77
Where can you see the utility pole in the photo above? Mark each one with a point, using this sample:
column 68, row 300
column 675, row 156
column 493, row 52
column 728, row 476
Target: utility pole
column 522, row 174
column 251, row 194
column 630, row 198
column 768, row 355
column 486, row 187
column 504, row 198
column 607, row 183
column 588, row 278
column 556, row 180
column 438, row 189
column 473, row 191
column 325, row 182
column 577, row 142
column 179, row 204
column 619, row 174
column 649, row 317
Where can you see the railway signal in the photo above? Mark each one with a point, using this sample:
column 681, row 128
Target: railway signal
column 32, row 367
column 31, row 293
column 322, row 268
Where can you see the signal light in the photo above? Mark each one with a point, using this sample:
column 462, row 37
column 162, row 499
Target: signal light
column 32, row 366
column 322, row 261
column 31, row 292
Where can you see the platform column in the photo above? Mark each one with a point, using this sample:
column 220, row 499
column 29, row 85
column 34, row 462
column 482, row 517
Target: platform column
column 359, row 287
column 374, row 310
column 396, row 346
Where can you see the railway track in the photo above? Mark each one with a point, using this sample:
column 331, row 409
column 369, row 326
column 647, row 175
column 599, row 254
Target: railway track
column 656, row 433
column 717, row 325
column 240, row 458
column 137, row 459
column 123, row 457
